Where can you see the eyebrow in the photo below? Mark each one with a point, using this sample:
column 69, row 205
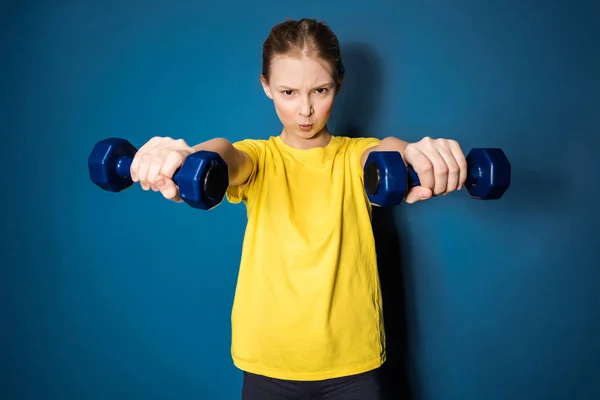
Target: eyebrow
column 284, row 87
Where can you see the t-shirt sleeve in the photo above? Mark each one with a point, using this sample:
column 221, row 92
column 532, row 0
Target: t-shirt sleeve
column 254, row 149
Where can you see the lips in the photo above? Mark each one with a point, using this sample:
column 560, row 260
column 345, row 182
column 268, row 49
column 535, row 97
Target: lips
column 306, row 127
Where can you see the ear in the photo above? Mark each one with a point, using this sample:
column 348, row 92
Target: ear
column 266, row 86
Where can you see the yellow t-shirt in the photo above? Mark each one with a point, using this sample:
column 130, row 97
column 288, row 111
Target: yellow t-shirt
column 308, row 302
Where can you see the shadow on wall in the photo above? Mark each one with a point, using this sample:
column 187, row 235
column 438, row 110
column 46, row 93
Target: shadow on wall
column 354, row 116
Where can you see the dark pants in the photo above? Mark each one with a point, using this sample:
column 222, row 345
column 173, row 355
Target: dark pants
column 365, row 386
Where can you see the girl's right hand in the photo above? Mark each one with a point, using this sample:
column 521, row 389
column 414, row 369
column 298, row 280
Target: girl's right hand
column 155, row 163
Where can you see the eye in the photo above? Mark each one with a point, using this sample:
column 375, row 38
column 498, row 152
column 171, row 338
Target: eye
column 288, row 92
column 321, row 90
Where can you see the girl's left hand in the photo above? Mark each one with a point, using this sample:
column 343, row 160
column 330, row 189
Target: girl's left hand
column 440, row 165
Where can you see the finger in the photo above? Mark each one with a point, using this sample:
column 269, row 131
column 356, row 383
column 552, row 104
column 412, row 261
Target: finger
column 422, row 166
column 154, row 169
column 461, row 161
column 453, row 169
column 417, row 193
column 169, row 190
column 135, row 163
column 440, row 170
column 135, row 166
column 143, row 170
column 174, row 160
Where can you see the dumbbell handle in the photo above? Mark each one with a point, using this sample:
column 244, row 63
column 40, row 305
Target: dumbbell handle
column 124, row 169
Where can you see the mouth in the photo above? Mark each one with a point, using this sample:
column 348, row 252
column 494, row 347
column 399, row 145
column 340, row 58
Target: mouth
column 306, row 127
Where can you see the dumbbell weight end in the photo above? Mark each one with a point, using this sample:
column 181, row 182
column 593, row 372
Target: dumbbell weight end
column 387, row 179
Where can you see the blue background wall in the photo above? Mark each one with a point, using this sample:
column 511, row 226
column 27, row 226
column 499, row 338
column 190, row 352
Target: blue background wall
column 127, row 296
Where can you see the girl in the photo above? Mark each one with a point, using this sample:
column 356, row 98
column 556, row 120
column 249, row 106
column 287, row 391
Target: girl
column 307, row 316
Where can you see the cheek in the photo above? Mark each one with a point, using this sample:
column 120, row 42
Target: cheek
column 323, row 107
column 286, row 110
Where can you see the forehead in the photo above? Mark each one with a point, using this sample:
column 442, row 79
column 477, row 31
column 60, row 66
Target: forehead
column 299, row 70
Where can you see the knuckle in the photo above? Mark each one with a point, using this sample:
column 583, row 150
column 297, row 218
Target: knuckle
column 427, row 141
column 442, row 170
column 151, row 179
column 154, row 140
column 181, row 142
column 409, row 150
column 425, row 167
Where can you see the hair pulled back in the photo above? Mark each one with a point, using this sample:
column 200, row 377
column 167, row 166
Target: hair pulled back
column 305, row 36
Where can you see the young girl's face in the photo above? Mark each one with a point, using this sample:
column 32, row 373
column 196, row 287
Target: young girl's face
column 303, row 92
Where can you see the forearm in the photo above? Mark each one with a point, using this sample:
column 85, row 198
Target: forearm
column 389, row 143
column 238, row 164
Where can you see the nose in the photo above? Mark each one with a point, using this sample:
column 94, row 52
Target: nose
column 306, row 109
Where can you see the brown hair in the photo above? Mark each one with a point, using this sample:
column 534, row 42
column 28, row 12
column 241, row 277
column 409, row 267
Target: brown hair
column 308, row 36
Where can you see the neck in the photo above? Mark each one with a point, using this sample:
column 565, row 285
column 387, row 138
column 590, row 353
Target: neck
column 321, row 139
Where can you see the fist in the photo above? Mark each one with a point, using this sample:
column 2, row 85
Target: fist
column 440, row 165
column 155, row 163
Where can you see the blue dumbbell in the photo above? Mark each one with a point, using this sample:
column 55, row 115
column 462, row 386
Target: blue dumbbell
column 387, row 178
column 202, row 179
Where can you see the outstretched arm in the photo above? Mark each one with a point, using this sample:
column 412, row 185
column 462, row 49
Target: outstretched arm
column 439, row 163
column 238, row 162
